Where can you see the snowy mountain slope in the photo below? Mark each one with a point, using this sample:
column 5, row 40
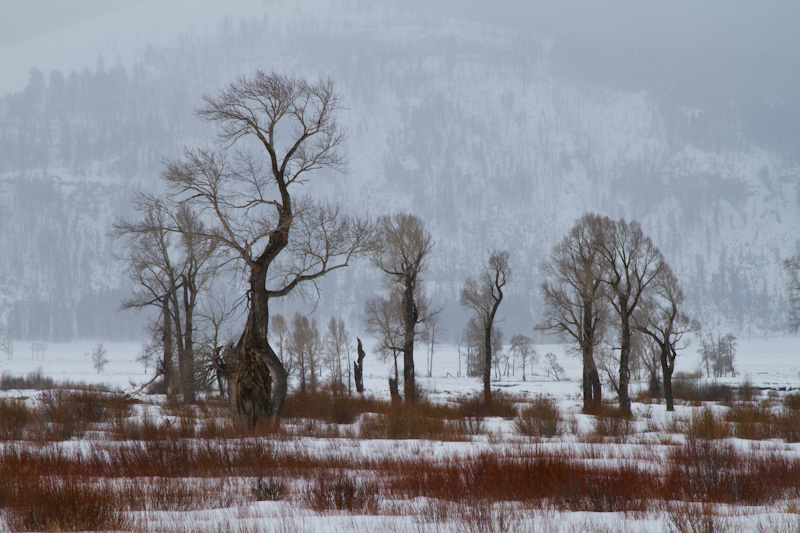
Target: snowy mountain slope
column 472, row 125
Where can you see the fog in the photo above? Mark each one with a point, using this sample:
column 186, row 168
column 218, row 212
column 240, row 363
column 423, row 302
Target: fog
column 499, row 125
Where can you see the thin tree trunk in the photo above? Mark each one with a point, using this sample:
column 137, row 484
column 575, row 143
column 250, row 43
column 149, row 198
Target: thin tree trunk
column 411, row 316
column 487, row 366
column 667, row 370
column 166, row 340
column 624, row 359
column 187, row 363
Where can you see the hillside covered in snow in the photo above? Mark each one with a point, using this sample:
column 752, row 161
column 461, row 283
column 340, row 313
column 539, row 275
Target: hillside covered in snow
column 499, row 128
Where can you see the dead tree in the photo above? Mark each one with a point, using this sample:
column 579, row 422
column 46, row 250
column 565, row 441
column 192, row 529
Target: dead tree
column 358, row 368
column 483, row 296
column 401, row 250
column 575, row 303
column 284, row 128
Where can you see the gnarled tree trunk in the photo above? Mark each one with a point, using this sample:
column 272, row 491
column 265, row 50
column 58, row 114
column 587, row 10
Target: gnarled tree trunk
column 358, row 368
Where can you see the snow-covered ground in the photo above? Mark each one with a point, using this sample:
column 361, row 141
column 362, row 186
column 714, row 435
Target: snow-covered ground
column 768, row 363
column 764, row 362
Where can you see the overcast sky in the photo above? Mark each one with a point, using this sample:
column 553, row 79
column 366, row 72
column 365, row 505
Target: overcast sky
column 756, row 43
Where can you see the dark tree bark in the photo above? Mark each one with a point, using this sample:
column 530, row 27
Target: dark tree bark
column 575, row 302
column 483, row 296
column 631, row 262
column 394, row 391
column 358, row 368
column 661, row 319
column 167, row 368
column 411, row 317
column 401, row 251
column 253, row 216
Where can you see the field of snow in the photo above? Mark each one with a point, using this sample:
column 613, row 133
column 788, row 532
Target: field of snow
column 210, row 501
column 765, row 362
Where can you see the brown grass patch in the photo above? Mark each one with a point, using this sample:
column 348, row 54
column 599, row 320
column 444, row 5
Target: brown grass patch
column 65, row 504
column 541, row 419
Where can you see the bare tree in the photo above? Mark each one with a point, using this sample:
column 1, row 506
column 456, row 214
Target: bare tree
column 719, row 351
column 630, row 263
column 337, row 352
column 663, row 321
column 483, row 296
column 6, row 343
column 575, row 303
column 171, row 268
column 554, row 369
column 523, row 349
column 305, row 346
column 285, row 128
column 215, row 341
column 791, row 268
column 401, row 252
column 99, row 359
column 432, row 329
column 383, row 317
column 279, row 332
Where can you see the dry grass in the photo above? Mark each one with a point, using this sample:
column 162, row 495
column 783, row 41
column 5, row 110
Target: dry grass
column 15, row 418
column 611, row 423
column 412, row 422
column 65, row 504
column 706, row 424
column 190, row 458
column 338, row 491
column 541, row 419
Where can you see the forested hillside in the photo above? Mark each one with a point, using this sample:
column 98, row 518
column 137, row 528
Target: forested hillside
column 496, row 134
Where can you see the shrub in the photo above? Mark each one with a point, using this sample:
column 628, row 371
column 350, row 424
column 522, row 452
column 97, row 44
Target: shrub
column 787, row 426
column 474, row 406
column 792, row 401
column 688, row 387
column 472, row 425
column 33, row 380
column 747, row 392
column 68, row 504
column 753, row 422
column 340, row 492
column 712, row 471
column 705, row 424
column 410, row 421
column 15, row 416
column 270, row 489
column 333, row 408
column 541, row 419
column 62, row 418
column 612, row 423
column 692, row 518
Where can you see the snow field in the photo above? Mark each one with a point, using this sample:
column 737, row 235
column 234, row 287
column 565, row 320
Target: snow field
column 312, row 453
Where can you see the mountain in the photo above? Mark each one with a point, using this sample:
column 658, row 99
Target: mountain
column 498, row 127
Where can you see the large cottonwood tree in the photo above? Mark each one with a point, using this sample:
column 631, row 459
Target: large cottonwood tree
column 576, row 308
column 630, row 263
column 275, row 132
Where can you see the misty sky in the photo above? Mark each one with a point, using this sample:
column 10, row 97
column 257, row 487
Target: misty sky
column 678, row 43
